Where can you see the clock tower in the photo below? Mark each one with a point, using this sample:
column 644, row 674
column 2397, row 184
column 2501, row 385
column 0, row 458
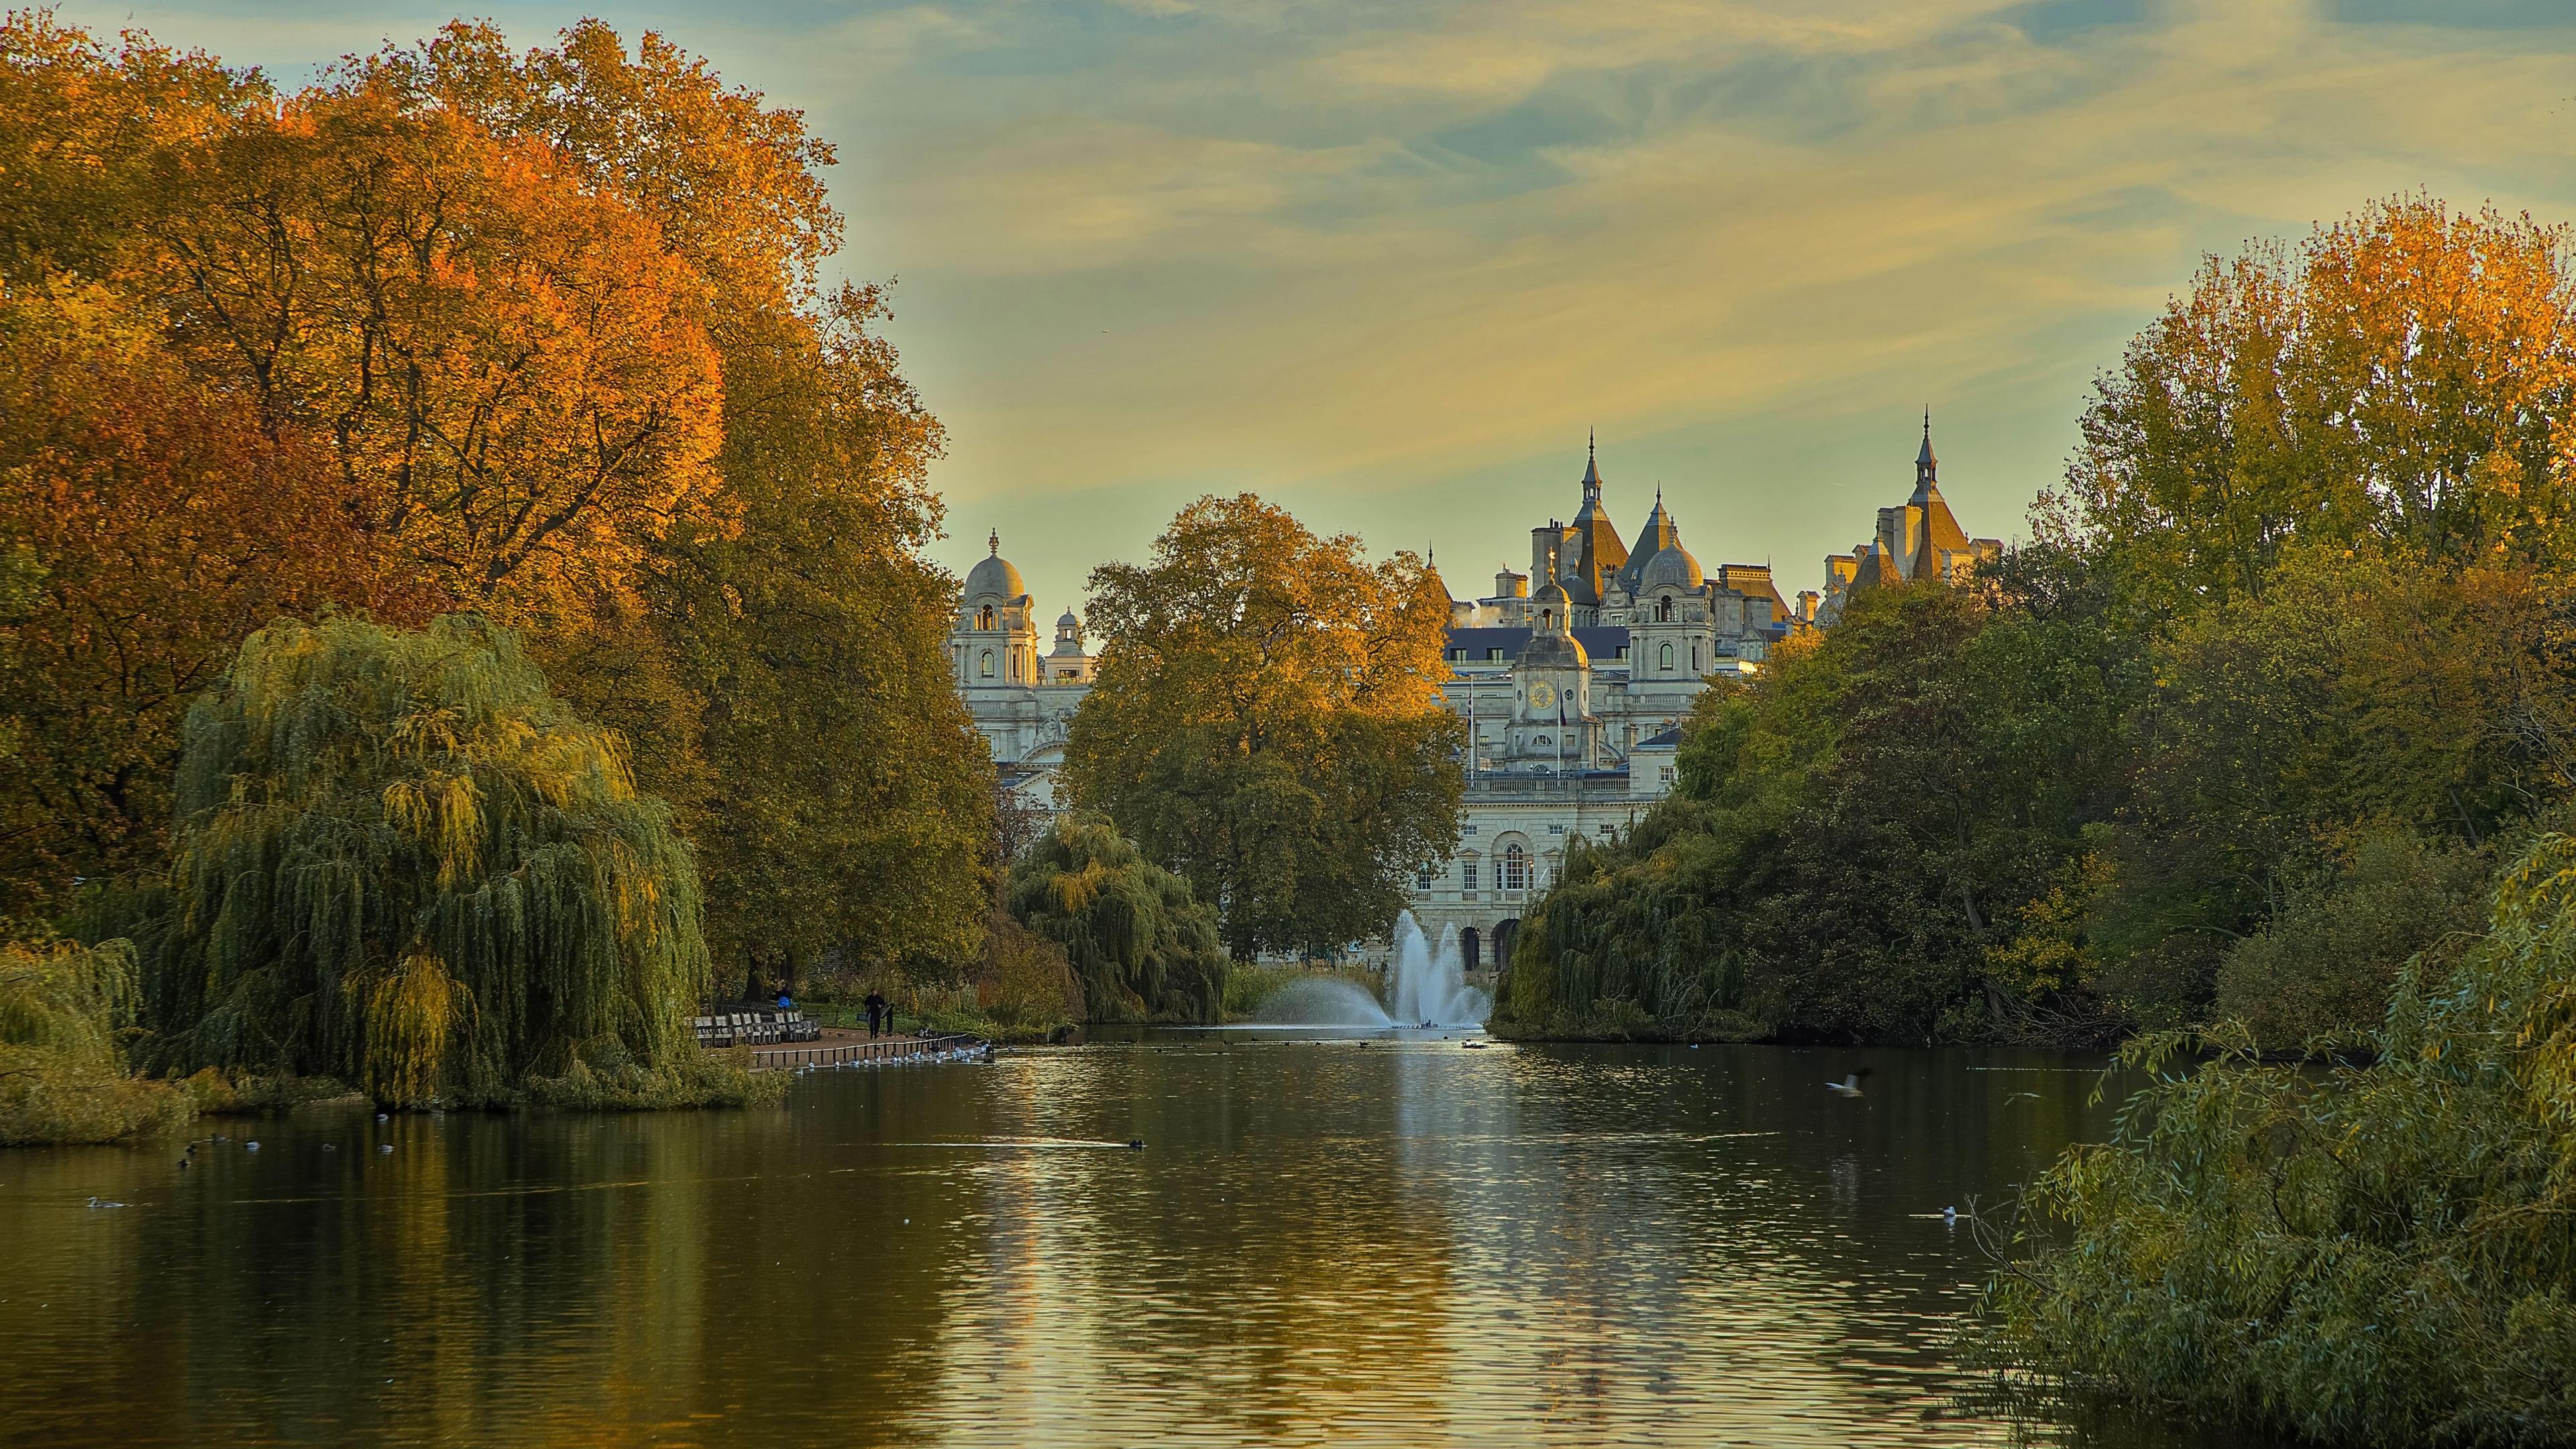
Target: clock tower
column 1552, row 723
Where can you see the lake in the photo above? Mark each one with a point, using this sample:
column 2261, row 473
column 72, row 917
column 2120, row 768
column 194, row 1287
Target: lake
column 1353, row 1242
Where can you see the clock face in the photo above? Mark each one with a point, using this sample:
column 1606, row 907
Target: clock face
column 1542, row 694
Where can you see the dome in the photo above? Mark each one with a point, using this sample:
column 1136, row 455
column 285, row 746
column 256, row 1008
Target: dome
column 1672, row 567
column 1066, row 622
column 994, row 576
column 1552, row 651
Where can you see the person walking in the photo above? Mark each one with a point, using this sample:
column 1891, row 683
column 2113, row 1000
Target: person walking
column 876, row 1011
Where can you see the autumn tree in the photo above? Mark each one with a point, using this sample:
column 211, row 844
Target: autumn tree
column 2403, row 376
column 537, row 332
column 1267, row 723
column 839, row 794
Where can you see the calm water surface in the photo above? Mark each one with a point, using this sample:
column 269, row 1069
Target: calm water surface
column 1321, row 1242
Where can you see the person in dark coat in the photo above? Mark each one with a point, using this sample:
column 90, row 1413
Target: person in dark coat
column 877, row 1011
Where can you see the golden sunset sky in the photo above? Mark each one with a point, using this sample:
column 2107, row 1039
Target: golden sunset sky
column 1386, row 262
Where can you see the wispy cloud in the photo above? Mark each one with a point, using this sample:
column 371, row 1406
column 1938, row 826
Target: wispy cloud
column 1387, row 258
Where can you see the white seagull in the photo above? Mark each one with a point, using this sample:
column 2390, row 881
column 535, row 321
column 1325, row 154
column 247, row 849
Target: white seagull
column 1849, row 1086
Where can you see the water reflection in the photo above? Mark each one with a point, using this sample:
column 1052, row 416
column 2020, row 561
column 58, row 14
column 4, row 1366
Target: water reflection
column 1356, row 1243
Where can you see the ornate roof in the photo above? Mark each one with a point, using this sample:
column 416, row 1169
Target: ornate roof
column 993, row 577
column 1657, row 535
column 1672, row 567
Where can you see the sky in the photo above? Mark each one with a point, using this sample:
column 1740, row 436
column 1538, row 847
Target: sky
column 1385, row 262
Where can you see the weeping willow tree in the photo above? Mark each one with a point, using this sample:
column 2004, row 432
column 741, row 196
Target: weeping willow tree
column 2382, row 1255
column 401, row 862
column 64, row 1013
column 1142, row 946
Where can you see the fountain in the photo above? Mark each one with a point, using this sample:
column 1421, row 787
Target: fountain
column 1424, row 987
column 1430, row 986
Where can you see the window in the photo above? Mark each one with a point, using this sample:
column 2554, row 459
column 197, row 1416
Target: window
column 1664, row 657
column 1668, row 774
column 984, row 620
column 1515, row 867
column 1543, row 742
column 1664, row 609
column 1556, row 830
column 1466, row 830
column 1427, row 877
column 1466, row 875
column 1694, row 656
column 1547, row 618
column 987, row 669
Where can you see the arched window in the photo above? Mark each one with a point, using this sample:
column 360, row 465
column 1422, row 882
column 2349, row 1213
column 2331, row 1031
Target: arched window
column 984, row 620
column 1542, row 742
column 1664, row 657
column 1547, row 618
column 1664, row 609
column 1515, row 867
column 987, row 662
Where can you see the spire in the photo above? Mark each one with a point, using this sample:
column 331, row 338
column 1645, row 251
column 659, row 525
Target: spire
column 1927, row 469
column 1591, row 467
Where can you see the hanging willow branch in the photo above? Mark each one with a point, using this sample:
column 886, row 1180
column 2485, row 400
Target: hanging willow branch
column 402, row 862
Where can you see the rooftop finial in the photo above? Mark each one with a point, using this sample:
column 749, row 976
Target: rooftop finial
column 1591, row 443
column 994, row 543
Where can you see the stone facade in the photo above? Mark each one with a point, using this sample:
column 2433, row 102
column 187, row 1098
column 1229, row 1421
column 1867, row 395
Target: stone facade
column 1573, row 690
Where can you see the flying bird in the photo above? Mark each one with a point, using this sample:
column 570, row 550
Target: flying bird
column 1849, row 1086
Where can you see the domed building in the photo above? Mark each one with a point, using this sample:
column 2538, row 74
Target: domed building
column 1573, row 678
column 1021, row 700
column 1574, row 696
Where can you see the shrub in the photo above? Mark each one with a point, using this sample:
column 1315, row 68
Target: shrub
column 2321, row 969
column 64, row 1010
column 2381, row 1255
column 1141, row 946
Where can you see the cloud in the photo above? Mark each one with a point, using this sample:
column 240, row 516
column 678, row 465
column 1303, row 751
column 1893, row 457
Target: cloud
column 1388, row 256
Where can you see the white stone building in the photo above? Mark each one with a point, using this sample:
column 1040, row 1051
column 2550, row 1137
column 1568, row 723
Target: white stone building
column 1573, row 689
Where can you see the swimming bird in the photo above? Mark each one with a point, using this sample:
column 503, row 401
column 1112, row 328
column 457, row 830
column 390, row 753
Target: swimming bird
column 387, row 1147
column 330, row 1146
column 1950, row 1215
column 100, row 1202
column 1849, row 1086
column 250, row 1147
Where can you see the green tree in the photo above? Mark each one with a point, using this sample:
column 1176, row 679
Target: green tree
column 1267, row 723
column 403, row 863
column 2386, row 1255
column 1142, row 947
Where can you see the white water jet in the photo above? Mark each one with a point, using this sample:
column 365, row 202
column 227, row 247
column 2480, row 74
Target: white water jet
column 1430, row 987
column 1322, row 1001
column 1424, row 988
